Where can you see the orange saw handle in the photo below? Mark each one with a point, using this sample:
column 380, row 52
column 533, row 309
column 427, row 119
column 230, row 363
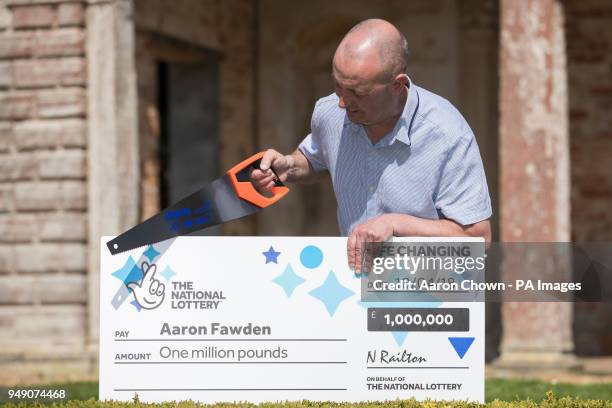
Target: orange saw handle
column 240, row 178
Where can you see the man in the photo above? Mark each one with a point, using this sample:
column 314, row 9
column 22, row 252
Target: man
column 402, row 160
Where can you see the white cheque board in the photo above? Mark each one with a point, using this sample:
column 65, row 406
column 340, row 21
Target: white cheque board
column 267, row 319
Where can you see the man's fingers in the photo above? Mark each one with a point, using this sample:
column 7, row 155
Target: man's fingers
column 364, row 244
column 268, row 159
column 269, row 185
column 267, row 180
column 366, row 259
column 262, row 180
column 367, row 251
column 358, row 250
column 265, row 184
column 350, row 251
column 355, row 246
column 257, row 175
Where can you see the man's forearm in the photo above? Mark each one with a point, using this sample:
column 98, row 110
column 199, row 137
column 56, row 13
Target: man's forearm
column 300, row 170
column 408, row 225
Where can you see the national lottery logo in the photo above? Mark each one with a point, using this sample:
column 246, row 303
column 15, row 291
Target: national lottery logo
column 185, row 295
column 149, row 286
column 144, row 283
column 149, row 293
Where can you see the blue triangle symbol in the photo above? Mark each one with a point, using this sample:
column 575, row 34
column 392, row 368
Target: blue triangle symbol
column 461, row 344
column 399, row 337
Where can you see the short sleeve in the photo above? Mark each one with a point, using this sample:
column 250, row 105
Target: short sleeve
column 462, row 194
column 312, row 147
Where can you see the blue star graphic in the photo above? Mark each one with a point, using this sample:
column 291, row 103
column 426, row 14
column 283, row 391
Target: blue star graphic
column 130, row 272
column 151, row 253
column 331, row 293
column 271, row 255
column 288, row 280
column 122, row 273
column 167, row 273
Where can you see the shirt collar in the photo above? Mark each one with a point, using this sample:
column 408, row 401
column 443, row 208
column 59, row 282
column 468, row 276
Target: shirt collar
column 401, row 131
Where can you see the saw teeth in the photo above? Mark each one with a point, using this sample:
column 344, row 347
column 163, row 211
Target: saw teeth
column 116, row 252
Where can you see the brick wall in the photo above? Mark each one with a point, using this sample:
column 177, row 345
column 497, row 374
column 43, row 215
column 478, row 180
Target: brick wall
column 42, row 178
column 589, row 53
column 45, row 327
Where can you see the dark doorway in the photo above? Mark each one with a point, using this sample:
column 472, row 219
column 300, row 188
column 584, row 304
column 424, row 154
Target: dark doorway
column 189, row 145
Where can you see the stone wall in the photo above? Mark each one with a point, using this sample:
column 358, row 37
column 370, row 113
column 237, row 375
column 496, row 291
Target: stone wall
column 534, row 177
column 589, row 49
column 479, row 77
column 49, row 214
column 589, row 54
column 43, row 203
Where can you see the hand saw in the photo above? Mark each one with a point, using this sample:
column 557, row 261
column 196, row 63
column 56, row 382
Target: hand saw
column 227, row 198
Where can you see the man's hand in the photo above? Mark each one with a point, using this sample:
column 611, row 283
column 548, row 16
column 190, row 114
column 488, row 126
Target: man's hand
column 377, row 229
column 292, row 168
column 381, row 228
column 263, row 178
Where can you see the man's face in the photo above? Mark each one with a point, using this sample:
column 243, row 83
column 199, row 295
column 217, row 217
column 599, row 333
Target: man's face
column 366, row 98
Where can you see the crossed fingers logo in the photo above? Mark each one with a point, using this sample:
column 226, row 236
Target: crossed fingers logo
column 149, row 292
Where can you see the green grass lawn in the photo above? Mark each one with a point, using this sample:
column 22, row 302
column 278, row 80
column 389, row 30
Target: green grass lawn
column 530, row 392
column 512, row 390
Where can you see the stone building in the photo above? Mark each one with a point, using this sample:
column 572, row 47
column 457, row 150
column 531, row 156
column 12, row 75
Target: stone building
column 112, row 109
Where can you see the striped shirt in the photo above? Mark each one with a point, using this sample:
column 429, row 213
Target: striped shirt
column 428, row 166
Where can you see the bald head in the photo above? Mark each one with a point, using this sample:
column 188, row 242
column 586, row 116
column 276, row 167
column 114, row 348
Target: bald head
column 375, row 48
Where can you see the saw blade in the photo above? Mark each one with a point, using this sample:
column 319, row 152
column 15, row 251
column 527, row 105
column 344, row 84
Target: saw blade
column 229, row 197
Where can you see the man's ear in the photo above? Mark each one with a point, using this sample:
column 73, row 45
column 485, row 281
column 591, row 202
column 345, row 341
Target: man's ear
column 400, row 81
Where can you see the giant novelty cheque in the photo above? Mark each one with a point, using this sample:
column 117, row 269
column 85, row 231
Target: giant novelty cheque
column 274, row 318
